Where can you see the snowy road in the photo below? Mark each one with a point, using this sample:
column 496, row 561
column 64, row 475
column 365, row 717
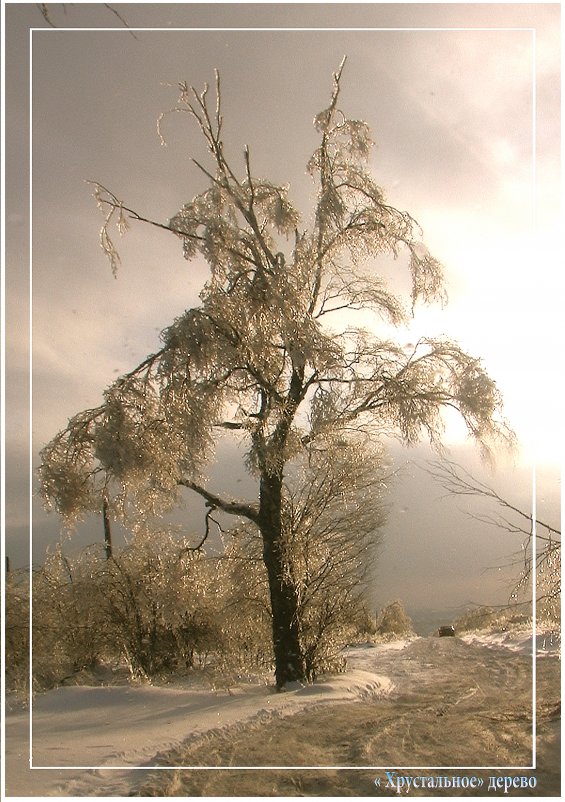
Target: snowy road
column 453, row 704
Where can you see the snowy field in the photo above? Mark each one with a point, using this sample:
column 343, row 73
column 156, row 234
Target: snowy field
column 89, row 739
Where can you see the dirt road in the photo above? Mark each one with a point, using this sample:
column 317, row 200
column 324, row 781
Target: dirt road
column 455, row 705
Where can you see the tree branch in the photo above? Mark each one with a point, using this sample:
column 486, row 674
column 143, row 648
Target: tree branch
column 248, row 511
column 455, row 479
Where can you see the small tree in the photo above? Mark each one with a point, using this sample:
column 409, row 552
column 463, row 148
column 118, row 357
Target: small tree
column 156, row 603
column 141, row 586
column 334, row 512
column 169, row 607
column 259, row 357
column 394, row 620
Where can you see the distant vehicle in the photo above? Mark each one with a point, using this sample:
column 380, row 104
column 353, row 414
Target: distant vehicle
column 444, row 632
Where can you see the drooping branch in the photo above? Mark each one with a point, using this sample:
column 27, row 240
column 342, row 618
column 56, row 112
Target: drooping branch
column 43, row 7
column 547, row 563
column 119, row 16
column 45, row 13
column 405, row 389
column 458, row 481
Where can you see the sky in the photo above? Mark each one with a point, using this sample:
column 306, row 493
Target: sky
column 463, row 103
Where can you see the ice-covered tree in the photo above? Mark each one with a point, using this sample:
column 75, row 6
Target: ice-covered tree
column 334, row 512
column 260, row 356
column 394, row 620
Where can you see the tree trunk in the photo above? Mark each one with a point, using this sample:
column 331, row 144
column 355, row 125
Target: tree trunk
column 289, row 660
column 107, row 529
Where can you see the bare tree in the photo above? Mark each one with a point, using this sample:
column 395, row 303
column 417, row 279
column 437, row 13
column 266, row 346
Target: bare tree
column 545, row 559
column 261, row 358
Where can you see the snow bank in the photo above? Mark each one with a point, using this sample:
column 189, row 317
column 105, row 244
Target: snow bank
column 83, row 736
column 547, row 642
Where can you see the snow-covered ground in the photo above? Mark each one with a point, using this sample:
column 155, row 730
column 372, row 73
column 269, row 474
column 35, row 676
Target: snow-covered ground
column 86, row 740
column 81, row 734
column 518, row 640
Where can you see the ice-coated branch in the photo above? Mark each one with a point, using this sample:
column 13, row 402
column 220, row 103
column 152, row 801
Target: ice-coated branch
column 249, row 511
column 458, row 481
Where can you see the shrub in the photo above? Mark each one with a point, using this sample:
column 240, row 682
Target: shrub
column 17, row 631
column 68, row 621
column 486, row 618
